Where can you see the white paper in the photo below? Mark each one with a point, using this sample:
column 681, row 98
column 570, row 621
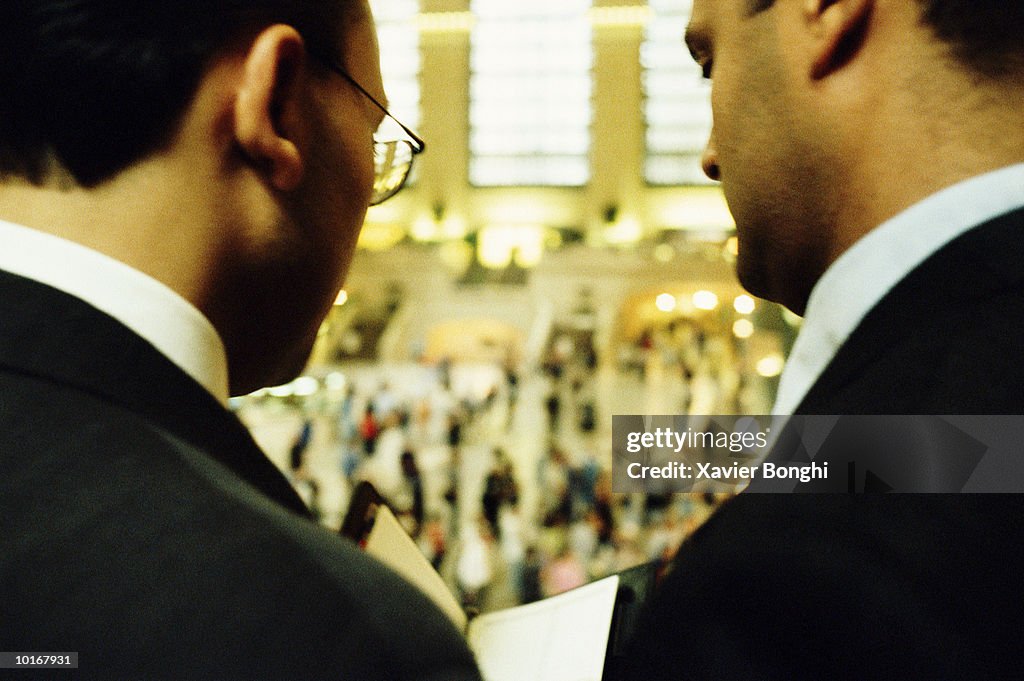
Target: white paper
column 562, row 638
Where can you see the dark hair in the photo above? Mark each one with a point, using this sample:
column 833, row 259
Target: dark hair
column 96, row 85
column 985, row 35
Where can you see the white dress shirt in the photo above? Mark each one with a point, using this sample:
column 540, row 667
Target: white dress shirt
column 861, row 276
column 149, row 308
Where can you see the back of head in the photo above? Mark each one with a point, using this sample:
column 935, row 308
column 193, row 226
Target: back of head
column 91, row 86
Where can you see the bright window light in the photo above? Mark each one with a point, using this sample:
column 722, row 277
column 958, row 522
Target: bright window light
column 677, row 100
column 399, row 38
column 530, row 92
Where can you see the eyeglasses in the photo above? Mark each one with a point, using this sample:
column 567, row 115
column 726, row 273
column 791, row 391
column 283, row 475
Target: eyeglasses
column 392, row 159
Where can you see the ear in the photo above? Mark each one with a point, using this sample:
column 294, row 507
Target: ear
column 267, row 119
column 838, row 27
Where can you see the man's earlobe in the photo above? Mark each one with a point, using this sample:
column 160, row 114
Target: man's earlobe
column 268, row 122
column 839, row 28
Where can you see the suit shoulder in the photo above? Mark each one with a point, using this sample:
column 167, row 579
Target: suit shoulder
column 148, row 556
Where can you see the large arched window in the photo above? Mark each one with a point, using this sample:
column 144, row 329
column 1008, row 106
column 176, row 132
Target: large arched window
column 530, row 92
column 399, row 38
column 677, row 107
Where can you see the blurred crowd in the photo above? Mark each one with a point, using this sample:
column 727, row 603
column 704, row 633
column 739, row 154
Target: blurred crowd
column 501, row 478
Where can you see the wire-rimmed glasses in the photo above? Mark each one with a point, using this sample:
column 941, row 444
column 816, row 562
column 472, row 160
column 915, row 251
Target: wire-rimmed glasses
column 392, row 159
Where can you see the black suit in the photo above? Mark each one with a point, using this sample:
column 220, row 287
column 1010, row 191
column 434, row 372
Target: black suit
column 142, row 527
column 873, row 586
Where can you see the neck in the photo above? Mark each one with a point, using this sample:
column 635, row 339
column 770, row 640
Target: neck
column 139, row 218
column 922, row 135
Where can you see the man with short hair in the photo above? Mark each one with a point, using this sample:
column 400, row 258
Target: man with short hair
column 872, row 154
column 181, row 189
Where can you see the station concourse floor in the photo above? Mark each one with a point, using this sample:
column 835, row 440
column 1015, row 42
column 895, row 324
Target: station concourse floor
column 521, row 431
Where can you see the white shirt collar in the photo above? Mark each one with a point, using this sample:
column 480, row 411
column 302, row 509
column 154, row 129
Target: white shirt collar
column 149, row 308
column 861, row 276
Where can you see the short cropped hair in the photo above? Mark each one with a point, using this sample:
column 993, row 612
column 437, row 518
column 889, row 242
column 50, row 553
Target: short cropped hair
column 987, row 36
column 97, row 85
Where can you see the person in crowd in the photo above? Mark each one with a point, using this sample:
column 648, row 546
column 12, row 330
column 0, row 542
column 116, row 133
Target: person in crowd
column 456, row 417
column 553, row 484
column 500, row 489
column 872, row 154
column 347, row 428
column 511, row 371
column 412, row 492
column 369, row 430
column 297, row 452
column 533, row 564
column 563, row 572
column 513, row 534
column 582, row 481
column 384, row 469
column 475, row 563
column 433, row 542
column 350, row 458
column 581, row 537
column 553, row 405
column 181, row 189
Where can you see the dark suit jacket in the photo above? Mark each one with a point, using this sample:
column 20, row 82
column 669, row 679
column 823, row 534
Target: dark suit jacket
column 142, row 527
column 913, row 586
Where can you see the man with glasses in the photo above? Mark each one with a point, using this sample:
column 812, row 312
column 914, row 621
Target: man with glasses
column 182, row 185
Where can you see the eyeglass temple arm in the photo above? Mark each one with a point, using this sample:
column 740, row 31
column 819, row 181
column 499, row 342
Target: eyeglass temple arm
column 419, row 145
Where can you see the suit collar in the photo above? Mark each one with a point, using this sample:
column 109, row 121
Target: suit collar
column 145, row 305
column 970, row 269
column 51, row 335
column 866, row 271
